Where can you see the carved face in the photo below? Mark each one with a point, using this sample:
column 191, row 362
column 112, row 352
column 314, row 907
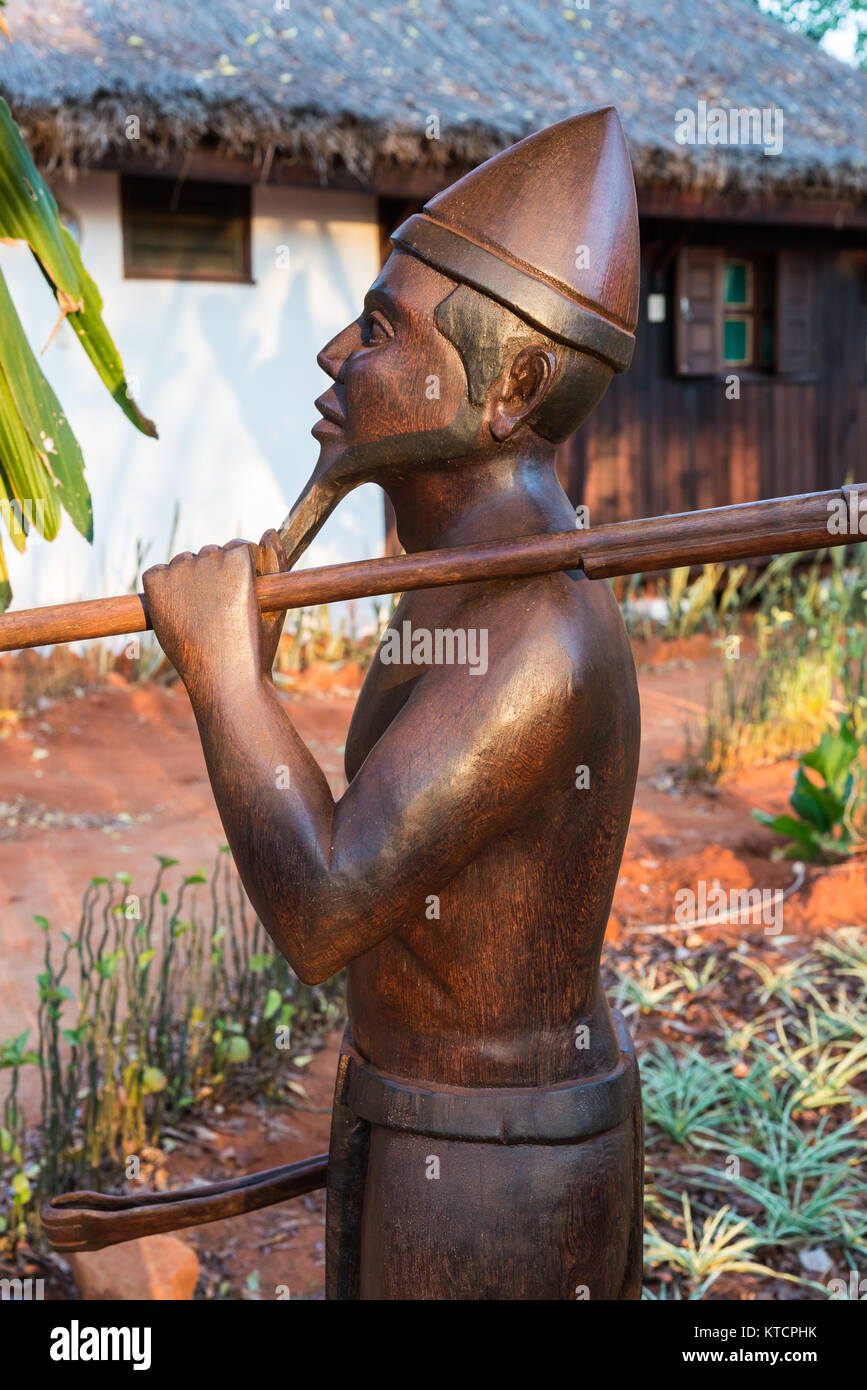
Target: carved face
column 399, row 398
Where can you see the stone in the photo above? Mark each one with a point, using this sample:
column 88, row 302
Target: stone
column 816, row 1261
column 155, row 1268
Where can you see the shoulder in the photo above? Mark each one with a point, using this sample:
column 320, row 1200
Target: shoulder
column 561, row 631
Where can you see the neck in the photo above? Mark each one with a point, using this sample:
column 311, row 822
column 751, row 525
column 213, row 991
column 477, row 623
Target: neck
column 514, row 492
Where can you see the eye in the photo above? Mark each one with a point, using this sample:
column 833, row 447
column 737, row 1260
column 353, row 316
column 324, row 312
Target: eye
column 376, row 329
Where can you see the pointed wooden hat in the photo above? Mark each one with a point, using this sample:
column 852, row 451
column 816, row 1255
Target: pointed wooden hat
column 549, row 228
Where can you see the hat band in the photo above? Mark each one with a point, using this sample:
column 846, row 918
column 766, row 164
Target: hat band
column 541, row 304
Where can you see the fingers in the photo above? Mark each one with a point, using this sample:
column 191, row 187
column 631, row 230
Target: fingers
column 252, row 548
column 272, row 557
column 155, row 570
column 214, row 550
column 268, row 556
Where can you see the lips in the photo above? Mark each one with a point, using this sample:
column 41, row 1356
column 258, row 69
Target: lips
column 330, row 408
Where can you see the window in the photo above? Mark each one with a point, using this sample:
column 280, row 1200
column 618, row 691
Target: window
column 753, row 312
column 738, row 319
column 185, row 230
column 749, row 303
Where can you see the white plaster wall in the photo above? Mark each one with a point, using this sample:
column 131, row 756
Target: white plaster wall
column 227, row 372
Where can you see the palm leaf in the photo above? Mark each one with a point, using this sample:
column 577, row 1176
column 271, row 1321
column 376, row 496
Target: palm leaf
column 41, row 466
column 5, row 586
column 43, row 419
column 25, row 470
column 97, row 342
column 28, row 213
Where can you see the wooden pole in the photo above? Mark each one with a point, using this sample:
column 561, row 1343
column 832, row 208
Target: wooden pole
column 93, row 1220
column 739, row 532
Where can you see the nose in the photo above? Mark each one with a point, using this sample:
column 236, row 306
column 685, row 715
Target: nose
column 332, row 359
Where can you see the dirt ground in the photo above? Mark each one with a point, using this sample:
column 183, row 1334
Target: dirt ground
column 106, row 781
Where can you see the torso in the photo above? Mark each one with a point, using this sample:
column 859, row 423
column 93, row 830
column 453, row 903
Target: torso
column 491, row 992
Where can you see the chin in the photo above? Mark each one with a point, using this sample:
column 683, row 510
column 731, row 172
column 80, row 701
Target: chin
column 329, row 437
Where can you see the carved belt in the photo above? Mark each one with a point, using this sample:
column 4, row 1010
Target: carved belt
column 558, row 1114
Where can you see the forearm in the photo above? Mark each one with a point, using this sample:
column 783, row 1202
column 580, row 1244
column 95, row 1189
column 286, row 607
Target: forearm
column 276, row 809
column 327, row 881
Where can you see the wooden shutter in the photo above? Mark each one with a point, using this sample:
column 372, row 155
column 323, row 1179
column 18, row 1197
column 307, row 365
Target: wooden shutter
column 698, row 311
column 796, row 314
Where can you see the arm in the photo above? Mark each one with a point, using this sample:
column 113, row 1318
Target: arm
column 461, row 761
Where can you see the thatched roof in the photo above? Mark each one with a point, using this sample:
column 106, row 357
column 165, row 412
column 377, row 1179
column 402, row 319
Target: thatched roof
column 350, row 85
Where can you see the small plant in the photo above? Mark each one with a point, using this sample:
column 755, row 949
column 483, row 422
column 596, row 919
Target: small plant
column 775, row 1103
column 805, row 660
column 15, row 1174
column 309, row 636
column 644, row 993
column 789, row 981
column 701, row 979
column 803, row 1187
column 830, row 814
column 679, row 608
column 724, row 1246
column 846, row 953
column 790, row 1076
column 684, row 1094
column 154, row 1006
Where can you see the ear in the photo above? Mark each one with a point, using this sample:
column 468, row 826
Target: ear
column 521, row 389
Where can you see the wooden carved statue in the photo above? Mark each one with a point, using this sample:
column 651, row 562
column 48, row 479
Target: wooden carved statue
column 487, row 1136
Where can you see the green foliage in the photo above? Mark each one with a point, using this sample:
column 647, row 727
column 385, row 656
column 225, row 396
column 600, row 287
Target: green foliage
column 724, row 1246
column 41, row 467
column 816, row 18
column 685, row 1097
column 800, row 658
column 776, row 1105
column 828, row 815
column 689, row 607
column 644, row 993
column 151, row 1008
column 310, row 636
column 14, row 1172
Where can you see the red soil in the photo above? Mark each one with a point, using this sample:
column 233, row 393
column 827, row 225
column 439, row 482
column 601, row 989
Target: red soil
column 102, row 783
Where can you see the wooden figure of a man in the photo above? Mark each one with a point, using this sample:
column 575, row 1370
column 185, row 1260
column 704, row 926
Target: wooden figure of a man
column 486, row 1140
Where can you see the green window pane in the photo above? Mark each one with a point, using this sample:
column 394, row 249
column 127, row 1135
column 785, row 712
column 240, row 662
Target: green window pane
column 735, row 282
column 735, row 338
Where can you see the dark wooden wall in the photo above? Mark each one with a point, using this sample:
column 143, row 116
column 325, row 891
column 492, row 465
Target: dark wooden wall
column 659, row 442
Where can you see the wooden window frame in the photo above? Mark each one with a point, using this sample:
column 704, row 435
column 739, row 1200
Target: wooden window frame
column 753, row 310
column 749, row 362
column 787, row 268
column 238, row 193
column 698, row 317
column 747, row 305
